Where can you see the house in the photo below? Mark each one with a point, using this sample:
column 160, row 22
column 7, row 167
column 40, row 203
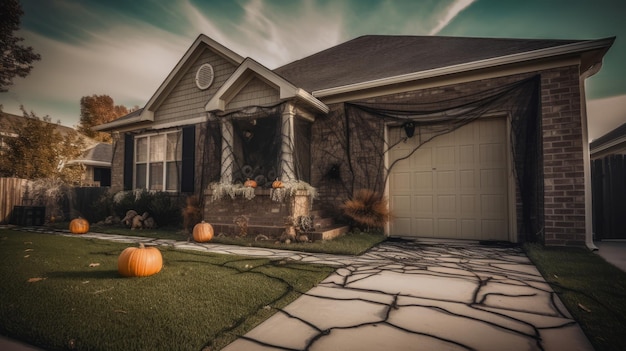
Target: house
column 96, row 158
column 96, row 162
column 608, row 176
column 468, row 138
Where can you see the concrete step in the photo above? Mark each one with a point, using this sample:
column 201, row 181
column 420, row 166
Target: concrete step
column 329, row 233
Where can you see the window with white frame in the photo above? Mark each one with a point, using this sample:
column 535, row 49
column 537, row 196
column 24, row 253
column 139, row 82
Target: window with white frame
column 157, row 161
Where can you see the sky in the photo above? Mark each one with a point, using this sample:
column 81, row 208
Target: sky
column 125, row 49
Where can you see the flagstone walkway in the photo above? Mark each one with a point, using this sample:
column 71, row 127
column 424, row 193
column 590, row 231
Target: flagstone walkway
column 411, row 296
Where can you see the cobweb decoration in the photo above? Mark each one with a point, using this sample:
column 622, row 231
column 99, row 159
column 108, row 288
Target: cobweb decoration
column 359, row 147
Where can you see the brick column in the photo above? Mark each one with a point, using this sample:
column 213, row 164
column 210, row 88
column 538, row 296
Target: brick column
column 563, row 167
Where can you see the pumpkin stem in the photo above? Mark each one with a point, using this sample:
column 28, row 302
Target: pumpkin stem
column 141, row 246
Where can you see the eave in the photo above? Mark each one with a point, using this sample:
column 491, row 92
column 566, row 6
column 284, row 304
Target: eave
column 600, row 46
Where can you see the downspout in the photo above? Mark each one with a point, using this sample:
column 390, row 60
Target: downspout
column 587, row 157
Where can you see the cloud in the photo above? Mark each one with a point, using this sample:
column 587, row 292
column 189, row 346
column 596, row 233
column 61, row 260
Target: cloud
column 605, row 115
column 451, row 12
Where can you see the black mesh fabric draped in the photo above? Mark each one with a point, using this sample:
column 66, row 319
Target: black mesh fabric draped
column 365, row 123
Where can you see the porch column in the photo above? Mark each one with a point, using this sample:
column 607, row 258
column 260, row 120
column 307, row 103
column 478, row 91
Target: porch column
column 228, row 158
column 287, row 166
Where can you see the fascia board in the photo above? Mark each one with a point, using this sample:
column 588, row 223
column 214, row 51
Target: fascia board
column 470, row 66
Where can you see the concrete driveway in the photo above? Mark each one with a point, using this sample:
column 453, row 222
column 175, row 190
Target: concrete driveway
column 425, row 296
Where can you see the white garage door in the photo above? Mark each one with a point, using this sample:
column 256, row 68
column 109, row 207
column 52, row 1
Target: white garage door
column 454, row 186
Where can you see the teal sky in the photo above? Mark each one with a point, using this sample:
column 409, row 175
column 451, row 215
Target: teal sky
column 125, row 49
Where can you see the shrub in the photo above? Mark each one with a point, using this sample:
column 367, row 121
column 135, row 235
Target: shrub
column 368, row 209
column 160, row 205
column 192, row 213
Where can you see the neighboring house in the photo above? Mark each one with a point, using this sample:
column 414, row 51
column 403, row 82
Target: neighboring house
column 468, row 138
column 608, row 174
column 96, row 162
column 611, row 143
column 96, row 158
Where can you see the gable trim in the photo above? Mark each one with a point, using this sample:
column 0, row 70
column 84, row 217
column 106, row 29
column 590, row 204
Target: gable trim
column 250, row 69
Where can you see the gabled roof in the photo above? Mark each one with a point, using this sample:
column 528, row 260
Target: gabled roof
column 99, row 156
column 188, row 59
column 376, row 58
column 245, row 72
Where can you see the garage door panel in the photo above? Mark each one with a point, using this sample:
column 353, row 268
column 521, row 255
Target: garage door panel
column 466, row 155
column 402, row 226
column 423, row 181
column 446, row 205
column 493, row 206
column 445, row 180
column 491, row 229
column 401, row 181
column 423, row 205
column 469, row 205
column 445, row 156
column 447, row 227
column 468, row 228
column 401, row 205
column 422, row 158
column 492, row 179
column 403, row 164
column 425, row 227
column 467, row 179
column 458, row 185
column 491, row 154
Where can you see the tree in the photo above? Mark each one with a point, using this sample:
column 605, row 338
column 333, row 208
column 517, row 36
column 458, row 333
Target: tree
column 15, row 59
column 39, row 150
column 95, row 110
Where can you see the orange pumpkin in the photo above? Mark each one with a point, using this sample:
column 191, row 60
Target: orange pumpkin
column 277, row 184
column 250, row 183
column 139, row 261
column 203, row 232
column 79, row 226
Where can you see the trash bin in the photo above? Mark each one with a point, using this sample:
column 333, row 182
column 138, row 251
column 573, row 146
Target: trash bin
column 28, row 215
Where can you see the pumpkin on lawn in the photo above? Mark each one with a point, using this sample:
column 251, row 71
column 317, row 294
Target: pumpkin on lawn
column 139, row 261
column 203, row 232
column 79, row 226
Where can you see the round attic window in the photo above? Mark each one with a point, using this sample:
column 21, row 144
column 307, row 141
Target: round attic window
column 204, row 76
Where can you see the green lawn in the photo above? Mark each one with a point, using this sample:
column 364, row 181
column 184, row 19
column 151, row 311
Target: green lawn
column 593, row 290
column 77, row 300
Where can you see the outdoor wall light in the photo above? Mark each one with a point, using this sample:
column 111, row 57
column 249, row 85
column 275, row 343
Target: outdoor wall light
column 409, row 128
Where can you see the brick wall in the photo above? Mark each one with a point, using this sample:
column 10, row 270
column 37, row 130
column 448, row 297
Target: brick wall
column 562, row 143
column 563, row 158
column 117, row 164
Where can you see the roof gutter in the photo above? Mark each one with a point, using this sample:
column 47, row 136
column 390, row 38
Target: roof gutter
column 475, row 65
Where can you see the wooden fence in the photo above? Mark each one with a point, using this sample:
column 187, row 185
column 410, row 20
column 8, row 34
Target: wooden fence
column 608, row 177
column 11, row 194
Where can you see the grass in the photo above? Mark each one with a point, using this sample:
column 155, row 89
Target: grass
column 352, row 243
column 593, row 290
column 197, row 300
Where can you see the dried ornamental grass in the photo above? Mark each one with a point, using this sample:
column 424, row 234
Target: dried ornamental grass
column 368, row 208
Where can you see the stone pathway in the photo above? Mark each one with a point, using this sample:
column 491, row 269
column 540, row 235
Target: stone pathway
column 411, row 296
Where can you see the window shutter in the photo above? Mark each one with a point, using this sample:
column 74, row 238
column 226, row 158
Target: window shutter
column 129, row 148
column 187, row 178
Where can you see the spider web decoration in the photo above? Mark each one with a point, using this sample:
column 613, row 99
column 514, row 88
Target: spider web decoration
column 358, row 147
column 256, row 144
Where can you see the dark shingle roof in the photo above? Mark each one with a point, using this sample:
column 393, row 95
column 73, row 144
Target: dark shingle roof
column 373, row 57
